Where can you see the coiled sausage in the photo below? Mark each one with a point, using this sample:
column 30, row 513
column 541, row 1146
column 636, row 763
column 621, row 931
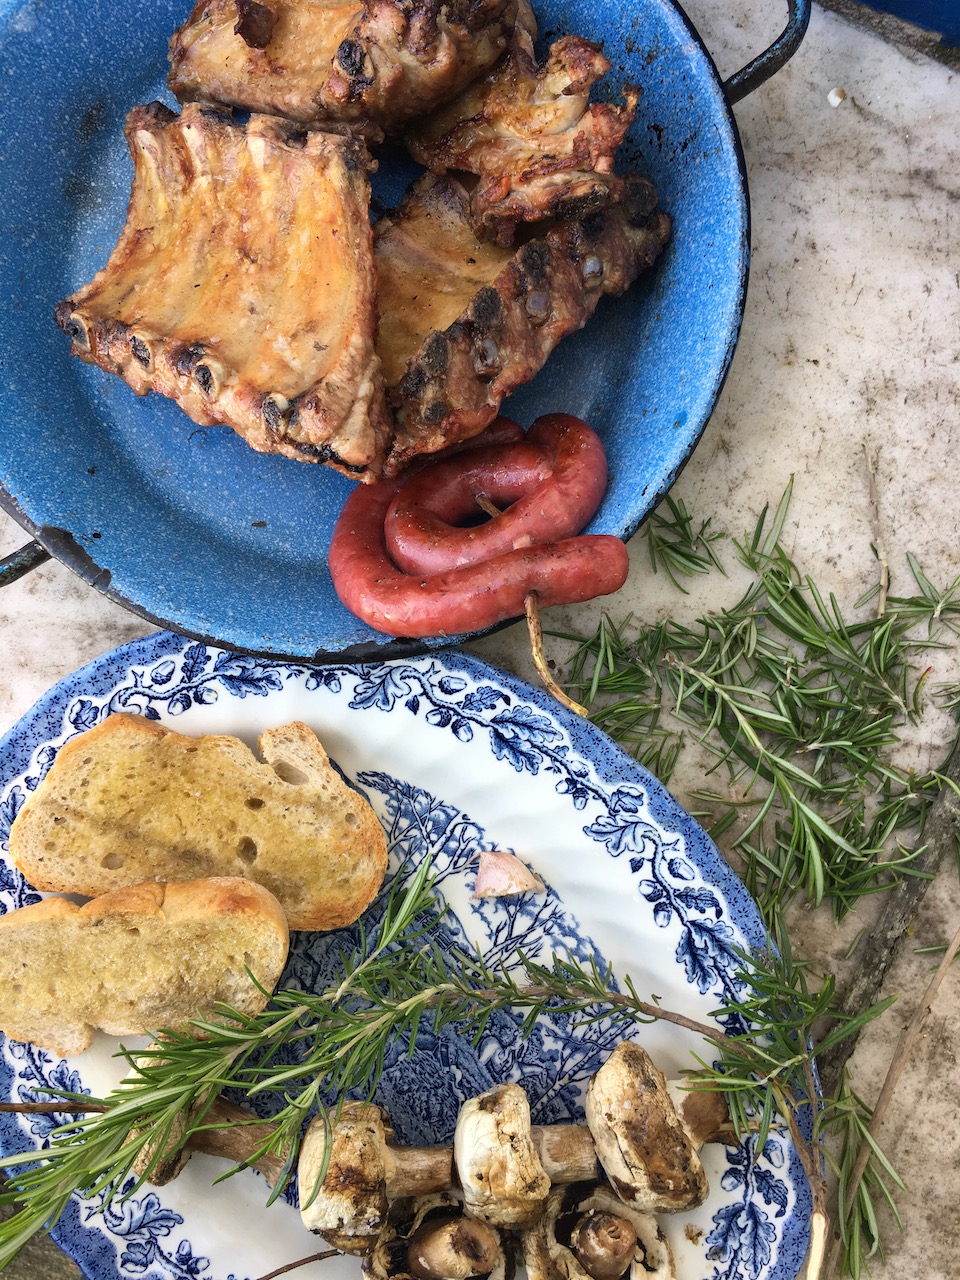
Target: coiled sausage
column 455, row 599
column 551, row 484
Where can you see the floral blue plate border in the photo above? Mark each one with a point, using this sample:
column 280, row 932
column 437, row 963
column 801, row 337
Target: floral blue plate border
column 456, row 756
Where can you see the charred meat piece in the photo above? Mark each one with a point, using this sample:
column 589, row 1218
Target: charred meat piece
column 463, row 322
column 537, row 145
column 374, row 63
column 242, row 285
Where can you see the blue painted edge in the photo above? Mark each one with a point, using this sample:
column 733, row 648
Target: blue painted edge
column 939, row 16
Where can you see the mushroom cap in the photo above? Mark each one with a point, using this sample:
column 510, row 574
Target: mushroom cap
column 604, row 1243
column 653, row 1259
column 643, row 1146
column 548, row 1246
column 503, row 1180
column 350, row 1204
column 410, row 1220
column 454, row 1248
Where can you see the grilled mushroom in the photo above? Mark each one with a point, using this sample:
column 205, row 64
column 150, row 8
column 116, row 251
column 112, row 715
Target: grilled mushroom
column 642, row 1144
column 604, row 1244
column 453, row 1248
column 430, row 1238
column 503, row 1180
column 587, row 1233
column 347, row 1205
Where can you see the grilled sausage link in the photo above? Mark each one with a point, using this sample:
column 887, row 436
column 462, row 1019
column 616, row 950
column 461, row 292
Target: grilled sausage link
column 550, row 484
column 457, row 595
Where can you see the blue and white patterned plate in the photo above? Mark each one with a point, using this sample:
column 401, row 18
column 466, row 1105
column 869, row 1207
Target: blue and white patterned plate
column 456, row 757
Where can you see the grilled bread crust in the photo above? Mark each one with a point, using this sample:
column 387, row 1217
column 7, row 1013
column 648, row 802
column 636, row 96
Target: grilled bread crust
column 130, row 801
column 143, row 959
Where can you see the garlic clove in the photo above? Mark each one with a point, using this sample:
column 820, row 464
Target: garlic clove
column 503, row 875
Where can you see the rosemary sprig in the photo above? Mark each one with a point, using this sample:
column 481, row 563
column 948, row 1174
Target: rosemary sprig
column 800, row 708
column 676, row 546
column 395, row 981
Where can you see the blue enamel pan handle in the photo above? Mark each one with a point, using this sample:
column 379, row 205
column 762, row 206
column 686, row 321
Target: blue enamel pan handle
column 765, row 64
column 20, row 562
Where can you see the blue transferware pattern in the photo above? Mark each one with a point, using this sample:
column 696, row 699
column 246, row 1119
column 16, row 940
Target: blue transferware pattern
column 407, row 732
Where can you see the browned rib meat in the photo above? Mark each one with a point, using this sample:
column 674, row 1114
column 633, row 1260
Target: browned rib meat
column 372, row 62
column 243, row 286
column 463, row 322
column 529, row 133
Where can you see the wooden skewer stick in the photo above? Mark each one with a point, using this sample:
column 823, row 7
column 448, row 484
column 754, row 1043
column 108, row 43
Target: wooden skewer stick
column 535, row 629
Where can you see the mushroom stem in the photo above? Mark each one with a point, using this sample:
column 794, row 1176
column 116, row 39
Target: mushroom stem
column 227, row 1132
column 236, row 1136
column 567, row 1152
column 419, row 1171
column 703, row 1113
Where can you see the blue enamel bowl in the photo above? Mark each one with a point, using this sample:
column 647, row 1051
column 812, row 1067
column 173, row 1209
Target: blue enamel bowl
column 187, row 525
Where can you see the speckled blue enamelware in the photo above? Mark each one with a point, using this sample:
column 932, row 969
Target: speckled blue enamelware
column 188, row 525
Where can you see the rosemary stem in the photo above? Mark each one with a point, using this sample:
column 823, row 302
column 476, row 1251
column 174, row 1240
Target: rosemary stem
column 531, row 610
column 52, row 1108
column 908, row 1038
column 301, row 1262
column 879, row 946
column 615, row 999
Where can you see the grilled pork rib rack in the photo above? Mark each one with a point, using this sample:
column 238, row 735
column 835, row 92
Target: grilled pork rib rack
column 464, row 322
column 530, row 135
column 242, row 286
column 247, row 284
column 374, row 64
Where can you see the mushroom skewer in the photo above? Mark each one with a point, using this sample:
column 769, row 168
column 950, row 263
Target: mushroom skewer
column 627, row 1087
column 642, row 1133
column 635, row 1135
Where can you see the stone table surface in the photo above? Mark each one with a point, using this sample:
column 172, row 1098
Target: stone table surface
column 847, row 379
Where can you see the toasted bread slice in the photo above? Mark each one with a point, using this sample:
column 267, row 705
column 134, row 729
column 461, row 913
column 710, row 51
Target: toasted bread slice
column 142, row 959
column 131, row 800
